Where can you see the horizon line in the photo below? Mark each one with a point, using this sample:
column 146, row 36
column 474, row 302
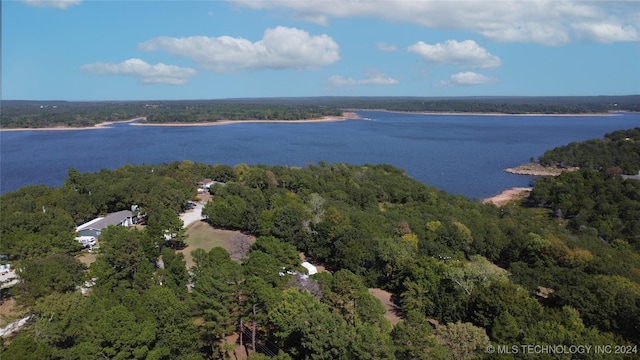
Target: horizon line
column 333, row 96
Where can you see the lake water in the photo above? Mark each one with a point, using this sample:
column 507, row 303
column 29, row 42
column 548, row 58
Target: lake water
column 461, row 154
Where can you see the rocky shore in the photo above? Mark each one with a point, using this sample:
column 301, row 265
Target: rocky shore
column 533, row 169
column 536, row 169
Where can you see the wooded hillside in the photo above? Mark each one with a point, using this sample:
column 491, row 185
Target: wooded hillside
column 463, row 274
column 616, row 153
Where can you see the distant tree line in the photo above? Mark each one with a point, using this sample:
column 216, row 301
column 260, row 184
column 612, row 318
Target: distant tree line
column 210, row 112
column 38, row 114
column 498, row 104
column 33, row 114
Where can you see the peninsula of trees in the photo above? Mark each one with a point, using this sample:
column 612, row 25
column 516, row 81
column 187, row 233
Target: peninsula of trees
column 617, row 152
column 561, row 268
column 44, row 114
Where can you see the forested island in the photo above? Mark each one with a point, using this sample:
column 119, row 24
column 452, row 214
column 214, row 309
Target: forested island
column 51, row 114
column 558, row 269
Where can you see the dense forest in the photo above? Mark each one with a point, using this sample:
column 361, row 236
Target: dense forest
column 39, row 114
column 561, row 268
column 618, row 152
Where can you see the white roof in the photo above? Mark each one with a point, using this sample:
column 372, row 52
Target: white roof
column 102, row 222
column 88, row 224
column 310, row 268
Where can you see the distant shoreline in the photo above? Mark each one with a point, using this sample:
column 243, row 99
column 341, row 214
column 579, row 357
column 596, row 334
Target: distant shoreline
column 102, row 125
column 348, row 115
column 613, row 113
column 105, row 125
column 345, row 116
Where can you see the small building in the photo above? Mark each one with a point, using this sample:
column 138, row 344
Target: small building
column 206, row 184
column 311, row 269
column 94, row 227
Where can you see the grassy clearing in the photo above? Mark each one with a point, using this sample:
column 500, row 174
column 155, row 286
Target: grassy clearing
column 87, row 258
column 203, row 236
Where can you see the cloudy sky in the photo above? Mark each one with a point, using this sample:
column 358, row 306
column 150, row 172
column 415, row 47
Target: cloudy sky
column 143, row 50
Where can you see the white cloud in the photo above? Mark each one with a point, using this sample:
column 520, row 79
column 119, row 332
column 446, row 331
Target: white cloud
column 466, row 54
column 537, row 32
column 146, row 73
column 546, row 22
column 467, row 78
column 606, row 33
column 280, row 48
column 384, row 47
column 371, row 78
column 60, row 4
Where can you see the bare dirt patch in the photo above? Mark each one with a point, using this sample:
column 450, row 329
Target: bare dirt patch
column 87, row 258
column 235, row 351
column 393, row 312
column 10, row 311
column 204, row 197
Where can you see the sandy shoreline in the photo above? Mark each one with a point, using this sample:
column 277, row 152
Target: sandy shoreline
column 102, row 125
column 508, row 195
column 345, row 116
column 105, row 125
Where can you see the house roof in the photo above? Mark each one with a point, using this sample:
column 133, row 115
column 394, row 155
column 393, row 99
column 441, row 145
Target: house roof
column 115, row 218
column 312, row 269
column 205, row 181
column 209, row 182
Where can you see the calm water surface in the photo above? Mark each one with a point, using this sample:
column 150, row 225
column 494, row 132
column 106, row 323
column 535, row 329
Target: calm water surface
column 461, row 154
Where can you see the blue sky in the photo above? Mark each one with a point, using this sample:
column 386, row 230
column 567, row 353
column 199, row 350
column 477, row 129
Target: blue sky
column 154, row 50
